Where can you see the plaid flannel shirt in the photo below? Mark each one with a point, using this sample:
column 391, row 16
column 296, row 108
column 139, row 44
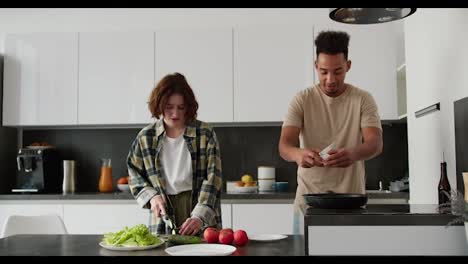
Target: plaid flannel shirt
column 147, row 174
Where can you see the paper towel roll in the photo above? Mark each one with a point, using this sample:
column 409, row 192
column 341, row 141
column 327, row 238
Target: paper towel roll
column 266, row 173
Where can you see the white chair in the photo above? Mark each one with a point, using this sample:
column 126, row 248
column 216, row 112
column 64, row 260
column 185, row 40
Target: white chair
column 39, row 224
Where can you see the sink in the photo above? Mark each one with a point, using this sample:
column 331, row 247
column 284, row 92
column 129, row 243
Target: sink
column 378, row 191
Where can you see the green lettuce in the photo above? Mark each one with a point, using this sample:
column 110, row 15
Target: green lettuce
column 138, row 235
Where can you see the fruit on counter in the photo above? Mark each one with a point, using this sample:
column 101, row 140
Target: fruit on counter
column 246, row 178
column 40, row 144
column 211, row 235
column 240, row 238
column 226, row 237
column 239, row 184
column 123, row 180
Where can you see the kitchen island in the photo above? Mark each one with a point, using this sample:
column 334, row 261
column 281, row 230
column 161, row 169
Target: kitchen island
column 382, row 230
column 88, row 245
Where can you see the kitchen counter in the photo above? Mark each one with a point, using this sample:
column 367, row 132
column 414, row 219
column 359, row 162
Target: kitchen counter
column 88, row 245
column 378, row 214
column 383, row 229
column 226, row 197
column 76, row 196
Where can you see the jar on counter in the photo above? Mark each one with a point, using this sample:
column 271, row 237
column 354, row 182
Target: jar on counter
column 105, row 179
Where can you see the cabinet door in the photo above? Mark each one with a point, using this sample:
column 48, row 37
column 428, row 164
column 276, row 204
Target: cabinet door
column 271, row 64
column 116, row 77
column 40, row 79
column 102, row 218
column 263, row 218
column 226, row 215
column 204, row 57
column 372, row 51
column 29, row 210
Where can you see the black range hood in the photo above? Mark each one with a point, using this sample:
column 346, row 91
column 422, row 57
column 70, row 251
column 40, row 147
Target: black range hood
column 369, row 15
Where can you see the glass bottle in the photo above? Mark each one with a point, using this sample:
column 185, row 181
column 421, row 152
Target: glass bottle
column 105, row 179
column 444, row 185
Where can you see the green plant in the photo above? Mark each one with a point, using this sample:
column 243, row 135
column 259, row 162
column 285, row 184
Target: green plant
column 457, row 207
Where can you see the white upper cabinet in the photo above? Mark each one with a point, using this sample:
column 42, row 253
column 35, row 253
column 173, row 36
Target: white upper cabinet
column 116, row 77
column 372, row 51
column 271, row 64
column 204, row 57
column 40, row 79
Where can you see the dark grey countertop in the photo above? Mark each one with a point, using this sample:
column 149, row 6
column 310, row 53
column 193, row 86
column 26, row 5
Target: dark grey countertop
column 76, row 196
column 224, row 196
column 88, row 245
column 378, row 215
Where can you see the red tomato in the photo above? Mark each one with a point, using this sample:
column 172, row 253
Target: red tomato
column 240, row 238
column 211, row 235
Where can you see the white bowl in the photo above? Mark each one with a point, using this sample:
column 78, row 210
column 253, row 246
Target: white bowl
column 123, row 187
column 245, row 189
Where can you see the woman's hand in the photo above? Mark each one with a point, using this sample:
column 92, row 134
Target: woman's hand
column 191, row 226
column 158, row 205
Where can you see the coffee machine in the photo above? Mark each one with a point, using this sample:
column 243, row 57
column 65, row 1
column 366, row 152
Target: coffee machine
column 38, row 171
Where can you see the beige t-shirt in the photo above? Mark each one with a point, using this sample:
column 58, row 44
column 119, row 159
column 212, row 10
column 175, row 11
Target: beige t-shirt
column 324, row 120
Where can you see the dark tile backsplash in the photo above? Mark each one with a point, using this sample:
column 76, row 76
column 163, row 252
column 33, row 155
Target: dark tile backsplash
column 392, row 164
column 460, row 108
column 87, row 147
column 243, row 149
column 8, row 150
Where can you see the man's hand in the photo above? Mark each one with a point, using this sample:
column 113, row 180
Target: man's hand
column 191, row 226
column 309, row 158
column 158, row 205
column 340, row 158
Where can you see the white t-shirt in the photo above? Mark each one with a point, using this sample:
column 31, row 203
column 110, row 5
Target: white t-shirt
column 177, row 165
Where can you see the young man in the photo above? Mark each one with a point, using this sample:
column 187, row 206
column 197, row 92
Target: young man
column 331, row 112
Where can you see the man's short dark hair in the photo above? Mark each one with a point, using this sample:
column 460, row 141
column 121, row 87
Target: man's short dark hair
column 332, row 42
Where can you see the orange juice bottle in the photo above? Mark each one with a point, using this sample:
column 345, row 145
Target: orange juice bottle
column 105, row 179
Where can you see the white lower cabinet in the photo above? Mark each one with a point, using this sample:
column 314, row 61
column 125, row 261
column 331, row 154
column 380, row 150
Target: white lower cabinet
column 263, row 218
column 226, row 215
column 102, row 218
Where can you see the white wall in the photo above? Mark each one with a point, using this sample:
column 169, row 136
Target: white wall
column 400, row 42
column 436, row 71
column 15, row 20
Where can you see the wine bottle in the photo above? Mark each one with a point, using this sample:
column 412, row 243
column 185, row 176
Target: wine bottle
column 444, row 185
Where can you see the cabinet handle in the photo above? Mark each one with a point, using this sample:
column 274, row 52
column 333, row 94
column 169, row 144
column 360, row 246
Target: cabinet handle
column 427, row 110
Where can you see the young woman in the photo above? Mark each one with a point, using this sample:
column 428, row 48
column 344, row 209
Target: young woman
column 174, row 164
